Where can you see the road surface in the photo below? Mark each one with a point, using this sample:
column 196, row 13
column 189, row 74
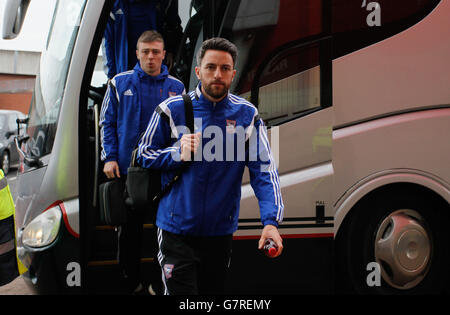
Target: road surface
column 16, row 287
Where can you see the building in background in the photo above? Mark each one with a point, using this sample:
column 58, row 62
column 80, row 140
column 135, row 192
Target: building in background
column 17, row 77
column 20, row 57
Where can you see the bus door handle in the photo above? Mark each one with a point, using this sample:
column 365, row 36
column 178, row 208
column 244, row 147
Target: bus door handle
column 97, row 155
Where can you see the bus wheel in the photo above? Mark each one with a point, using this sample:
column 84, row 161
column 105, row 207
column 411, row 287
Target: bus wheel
column 403, row 247
column 397, row 243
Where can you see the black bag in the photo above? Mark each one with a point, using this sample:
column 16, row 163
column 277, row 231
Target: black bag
column 111, row 202
column 143, row 185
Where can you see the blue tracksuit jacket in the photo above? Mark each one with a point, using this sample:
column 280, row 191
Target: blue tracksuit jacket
column 122, row 110
column 205, row 201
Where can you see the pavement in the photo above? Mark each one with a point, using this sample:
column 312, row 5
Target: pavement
column 18, row 286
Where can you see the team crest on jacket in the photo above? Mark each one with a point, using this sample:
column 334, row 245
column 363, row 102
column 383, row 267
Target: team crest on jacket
column 231, row 126
column 168, row 268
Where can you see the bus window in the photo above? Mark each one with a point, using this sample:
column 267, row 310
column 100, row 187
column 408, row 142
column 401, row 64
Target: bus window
column 289, row 84
column 273, row 26
column 50, row 82
column 278, row 67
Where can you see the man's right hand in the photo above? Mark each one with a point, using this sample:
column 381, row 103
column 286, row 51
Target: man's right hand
column 189, row 143
column 111, row 169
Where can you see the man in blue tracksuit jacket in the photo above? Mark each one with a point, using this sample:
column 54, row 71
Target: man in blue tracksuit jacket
column 129, row 102
column 128, row 20
column 197, row 217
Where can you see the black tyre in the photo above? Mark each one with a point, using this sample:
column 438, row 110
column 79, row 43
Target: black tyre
column 5, row 162
column 401, row 230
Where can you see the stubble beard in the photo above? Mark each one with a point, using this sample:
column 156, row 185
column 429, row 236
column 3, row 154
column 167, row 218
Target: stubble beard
column 216, row 93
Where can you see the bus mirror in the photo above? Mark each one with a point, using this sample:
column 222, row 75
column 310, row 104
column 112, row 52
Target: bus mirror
column 13, row 17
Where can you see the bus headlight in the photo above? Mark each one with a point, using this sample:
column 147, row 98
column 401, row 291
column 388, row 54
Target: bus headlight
column 43, row 230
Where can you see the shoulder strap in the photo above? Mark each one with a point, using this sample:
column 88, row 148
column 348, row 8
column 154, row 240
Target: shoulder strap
column 189, row 115
column 188, row 112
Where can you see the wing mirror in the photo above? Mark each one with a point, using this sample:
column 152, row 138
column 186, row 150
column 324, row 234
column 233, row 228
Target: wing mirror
column 13, row 17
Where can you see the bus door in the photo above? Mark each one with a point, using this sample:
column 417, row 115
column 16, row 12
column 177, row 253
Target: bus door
column 102, row 272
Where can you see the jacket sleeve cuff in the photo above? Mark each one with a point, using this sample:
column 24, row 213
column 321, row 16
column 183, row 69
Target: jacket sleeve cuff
column 271, row 222
column 110, row 159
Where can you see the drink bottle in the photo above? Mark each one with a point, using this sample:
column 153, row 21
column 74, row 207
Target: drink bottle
column 270, row 248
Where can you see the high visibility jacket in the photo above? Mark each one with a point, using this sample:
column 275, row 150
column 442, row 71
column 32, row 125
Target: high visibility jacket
column 10, row 266
column 6, row 202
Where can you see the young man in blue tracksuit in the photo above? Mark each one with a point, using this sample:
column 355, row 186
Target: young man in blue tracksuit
column 129, row 103
column 128, row 20
column 197, row 218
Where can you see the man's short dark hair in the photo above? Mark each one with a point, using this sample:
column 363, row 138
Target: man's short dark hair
column 217, row 43
column 150, row 36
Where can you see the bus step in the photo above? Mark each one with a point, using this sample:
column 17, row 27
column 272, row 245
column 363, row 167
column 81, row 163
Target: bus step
column 105, row 277
column 116, row 262
column 104, row 246
column 147, row 226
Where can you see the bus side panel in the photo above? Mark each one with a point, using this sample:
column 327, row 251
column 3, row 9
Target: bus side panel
column 407, row 71
column 302, row 150
column 381, row 145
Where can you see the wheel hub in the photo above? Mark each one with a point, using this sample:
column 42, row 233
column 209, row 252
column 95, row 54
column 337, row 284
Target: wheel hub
column 403, row 249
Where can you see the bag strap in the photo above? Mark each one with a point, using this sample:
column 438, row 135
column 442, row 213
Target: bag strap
column 188, row 112
column 189, row 117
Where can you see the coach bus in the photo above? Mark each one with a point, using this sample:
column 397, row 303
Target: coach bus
column 356, row 97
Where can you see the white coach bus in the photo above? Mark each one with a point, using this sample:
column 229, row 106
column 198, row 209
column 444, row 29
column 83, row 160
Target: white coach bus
column 356, row 95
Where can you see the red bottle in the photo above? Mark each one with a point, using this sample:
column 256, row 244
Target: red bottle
column 270, row 248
